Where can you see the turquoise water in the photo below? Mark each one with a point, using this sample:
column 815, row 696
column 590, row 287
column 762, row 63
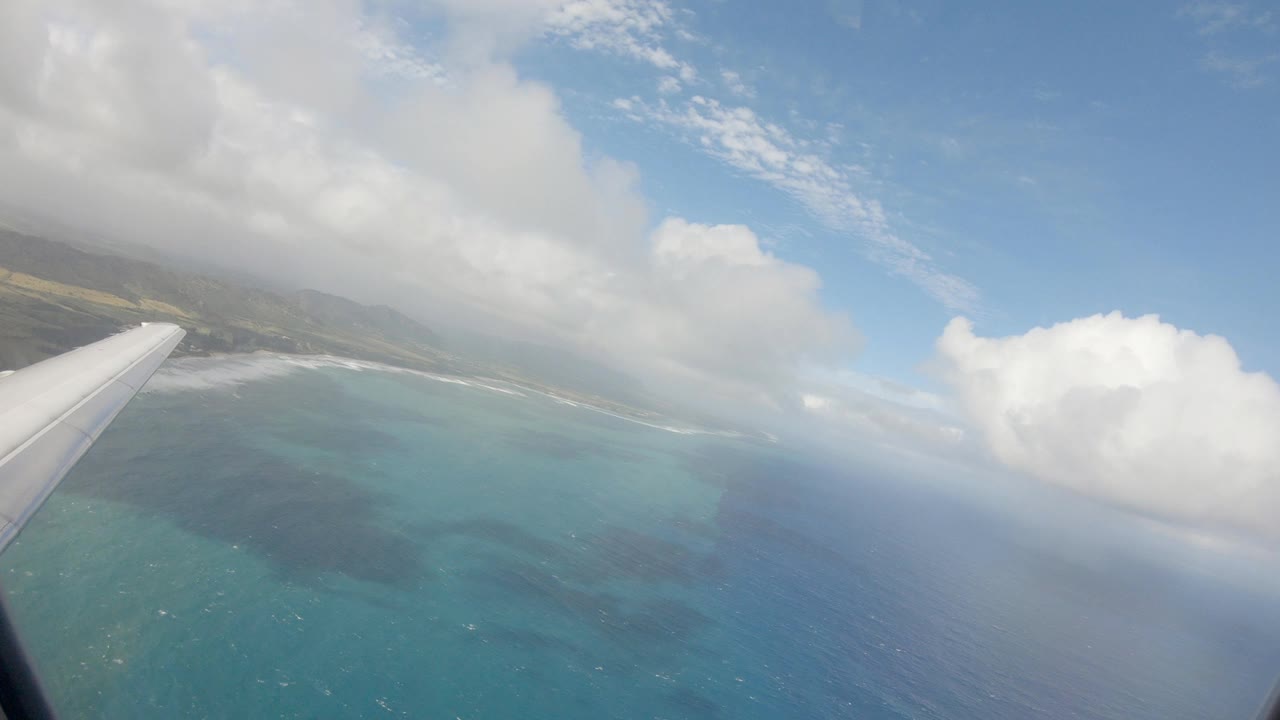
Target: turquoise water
column 342, row 542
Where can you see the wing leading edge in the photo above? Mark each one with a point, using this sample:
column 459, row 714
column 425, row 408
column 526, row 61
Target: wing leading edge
column 51, row 412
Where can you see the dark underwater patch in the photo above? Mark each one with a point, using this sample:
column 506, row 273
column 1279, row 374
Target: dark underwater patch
column 619, row 552
column 611, row 554
column 496, row 532
column 526, row 582
column 658, row 619
column 637, row 626
column 690, row 704
column 529, row 640
column 304, row 522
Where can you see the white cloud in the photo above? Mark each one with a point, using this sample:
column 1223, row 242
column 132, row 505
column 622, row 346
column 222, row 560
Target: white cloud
column 679, row 243
column 733, row 82
column 1212, row 17
column 846, row 12
column 864, row 416
column 854, row 412
column 390, row 181
column 400, row 59
column 1046, row 95
column 724, row 302
column 628, row 28
column 668, row 85
column 768, row 152
column 1240, row 72
column 1221, row 23
column 1130, row 410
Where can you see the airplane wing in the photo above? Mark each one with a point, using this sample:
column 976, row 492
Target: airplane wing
column 51, row 412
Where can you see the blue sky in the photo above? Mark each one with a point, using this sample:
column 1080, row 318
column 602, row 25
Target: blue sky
column 1064, row 159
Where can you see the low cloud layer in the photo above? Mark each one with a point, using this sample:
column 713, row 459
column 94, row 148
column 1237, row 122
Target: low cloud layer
column 310, row 141
column 1133, row 411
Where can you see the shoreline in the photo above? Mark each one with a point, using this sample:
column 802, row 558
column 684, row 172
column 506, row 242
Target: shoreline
column 320, row 360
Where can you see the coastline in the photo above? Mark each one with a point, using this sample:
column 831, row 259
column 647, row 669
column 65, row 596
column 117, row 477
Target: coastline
column 175, row 376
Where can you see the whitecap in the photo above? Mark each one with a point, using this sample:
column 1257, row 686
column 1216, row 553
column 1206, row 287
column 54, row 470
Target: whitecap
column 213, row 373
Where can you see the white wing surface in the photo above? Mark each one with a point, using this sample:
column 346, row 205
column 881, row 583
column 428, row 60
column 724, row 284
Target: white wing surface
column 51, row 412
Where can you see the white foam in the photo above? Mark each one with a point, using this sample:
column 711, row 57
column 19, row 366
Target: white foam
column 225, row 371
column 680, row 430
column 211, row 373
column 233, row 370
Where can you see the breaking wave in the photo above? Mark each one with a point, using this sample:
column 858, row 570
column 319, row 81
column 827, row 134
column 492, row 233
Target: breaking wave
column 221, row 372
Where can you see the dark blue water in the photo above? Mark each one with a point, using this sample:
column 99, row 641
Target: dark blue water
column 333, row 542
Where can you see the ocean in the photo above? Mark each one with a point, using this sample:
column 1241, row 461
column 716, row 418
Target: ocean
column 263, row 536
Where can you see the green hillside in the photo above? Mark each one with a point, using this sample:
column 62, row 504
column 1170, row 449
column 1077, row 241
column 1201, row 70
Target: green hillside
column 54, row 297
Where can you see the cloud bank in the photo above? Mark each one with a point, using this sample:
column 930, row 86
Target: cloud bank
column 313, row 141
column 1133, row 411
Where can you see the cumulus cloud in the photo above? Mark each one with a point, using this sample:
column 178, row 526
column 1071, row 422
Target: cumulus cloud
column 720, row 301
column 1130, row 410
column 457, row 190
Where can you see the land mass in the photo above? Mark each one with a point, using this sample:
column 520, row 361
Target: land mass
column 55, row 297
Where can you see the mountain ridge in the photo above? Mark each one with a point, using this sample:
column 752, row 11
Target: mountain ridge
column 55, row 296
